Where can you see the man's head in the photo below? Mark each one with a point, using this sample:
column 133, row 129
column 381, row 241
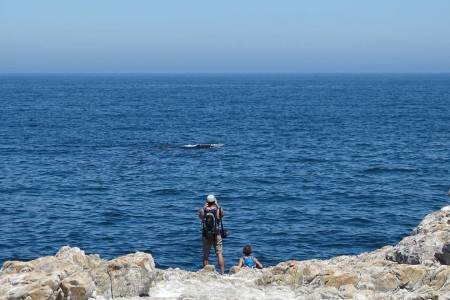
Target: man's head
column 211, row 199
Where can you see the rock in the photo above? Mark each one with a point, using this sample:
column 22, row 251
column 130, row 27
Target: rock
column 71, row 274
column 209, row 270
column 444, row 255
column 102, row 281
column 339, row 279
column 131, row 275
column 14, row 267
column 440, row 279
column 427, row 240
column 79, row 286
column 16, row 292
column 42, row 292
column 417, row 268
column 412, row 276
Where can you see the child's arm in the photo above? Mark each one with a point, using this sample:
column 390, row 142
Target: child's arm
column 258, row 264
column 241, row 262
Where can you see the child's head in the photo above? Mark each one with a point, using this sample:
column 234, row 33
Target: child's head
column 247, row 250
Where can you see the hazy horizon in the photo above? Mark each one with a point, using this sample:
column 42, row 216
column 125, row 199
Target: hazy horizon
column 202, row 37
column 225, row 73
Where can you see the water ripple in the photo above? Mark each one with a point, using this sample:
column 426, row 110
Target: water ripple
column 305, row 170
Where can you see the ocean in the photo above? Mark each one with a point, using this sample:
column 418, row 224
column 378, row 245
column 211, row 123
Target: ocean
column 306, row 166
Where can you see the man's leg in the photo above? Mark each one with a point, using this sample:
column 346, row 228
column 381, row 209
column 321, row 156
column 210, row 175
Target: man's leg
column 221, row 263
column 206, row 248
column 205, row 257
column 218, row 249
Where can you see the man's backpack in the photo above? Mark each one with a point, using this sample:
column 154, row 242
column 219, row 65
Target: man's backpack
column 210, row 223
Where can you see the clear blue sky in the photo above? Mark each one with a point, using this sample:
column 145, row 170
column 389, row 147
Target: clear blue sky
column 167, row 36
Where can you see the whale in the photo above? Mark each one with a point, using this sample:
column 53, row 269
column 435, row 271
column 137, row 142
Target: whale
column 188, row 146
column 202, row 146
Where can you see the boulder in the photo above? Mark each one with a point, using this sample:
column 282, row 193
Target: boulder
column 427, row 240
column 79, row 286
column 102, row 281
column 71, row 274
column 443, row 256
column 131, row 275
column 417, row 268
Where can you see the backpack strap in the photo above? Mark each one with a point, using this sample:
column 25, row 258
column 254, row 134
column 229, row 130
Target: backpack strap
column 220, row 218
column 221, row 224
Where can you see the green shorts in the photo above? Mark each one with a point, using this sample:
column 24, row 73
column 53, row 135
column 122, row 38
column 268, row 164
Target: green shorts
column 217, row 244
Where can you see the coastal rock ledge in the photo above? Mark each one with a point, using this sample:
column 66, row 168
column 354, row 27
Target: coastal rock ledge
column 416, row 268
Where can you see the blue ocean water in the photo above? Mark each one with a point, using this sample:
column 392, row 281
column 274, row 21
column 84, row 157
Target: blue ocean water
column 312, row 166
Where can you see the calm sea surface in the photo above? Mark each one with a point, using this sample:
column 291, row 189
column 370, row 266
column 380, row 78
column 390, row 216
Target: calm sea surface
column 312, row 166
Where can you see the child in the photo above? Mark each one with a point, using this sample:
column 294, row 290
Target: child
column 247, row 260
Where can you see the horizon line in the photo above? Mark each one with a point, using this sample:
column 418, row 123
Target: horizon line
column 224, row 73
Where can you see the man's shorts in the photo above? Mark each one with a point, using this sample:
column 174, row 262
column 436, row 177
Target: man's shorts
column 217, row 244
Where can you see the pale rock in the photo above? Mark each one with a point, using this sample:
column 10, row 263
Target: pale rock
column 208, row 269
column 75, row 256
column 412, row 276
column 14, row 267
column 387, row 282
column 131, row 275
column 78, row 286
column 339, row 279
column 102, row 281
column 42, row 292
column 427, row 240
column 71, row 274
column 33, row 291
column 53, row 281
column 416, row 268
column 440, row 278
column 442, row 295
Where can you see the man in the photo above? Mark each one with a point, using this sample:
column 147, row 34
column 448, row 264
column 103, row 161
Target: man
column 211, row 213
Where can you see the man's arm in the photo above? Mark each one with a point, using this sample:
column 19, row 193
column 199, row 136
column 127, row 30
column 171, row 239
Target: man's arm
column 200, row 213
column 221, row 212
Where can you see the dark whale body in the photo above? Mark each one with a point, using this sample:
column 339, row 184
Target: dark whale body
column 201, row 146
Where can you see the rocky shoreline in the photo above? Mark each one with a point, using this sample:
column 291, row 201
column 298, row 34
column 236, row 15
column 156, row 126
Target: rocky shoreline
column 416, row 268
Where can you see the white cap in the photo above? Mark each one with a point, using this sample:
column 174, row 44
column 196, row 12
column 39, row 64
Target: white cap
column 211, row 198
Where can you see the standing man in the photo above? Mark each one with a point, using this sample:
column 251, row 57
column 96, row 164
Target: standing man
column 211, row 213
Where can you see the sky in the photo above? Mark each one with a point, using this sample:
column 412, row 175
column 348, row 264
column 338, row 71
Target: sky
column 208, row 36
